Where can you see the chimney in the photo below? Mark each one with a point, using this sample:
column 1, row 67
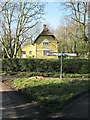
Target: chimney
column 44, row 27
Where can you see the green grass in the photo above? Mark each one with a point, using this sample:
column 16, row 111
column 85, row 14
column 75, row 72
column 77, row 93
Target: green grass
column 46, row 74
column 53, row 93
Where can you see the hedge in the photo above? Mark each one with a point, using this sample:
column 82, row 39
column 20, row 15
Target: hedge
column 42, row 65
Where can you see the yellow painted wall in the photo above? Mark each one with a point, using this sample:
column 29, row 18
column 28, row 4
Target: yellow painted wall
column 52, row 47
column 38, row 47
column 29, row 48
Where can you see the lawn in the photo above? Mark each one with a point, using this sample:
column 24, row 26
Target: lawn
column 46, row 74
column 52, row 93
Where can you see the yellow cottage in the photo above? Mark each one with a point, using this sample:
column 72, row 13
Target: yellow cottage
column 44, row 43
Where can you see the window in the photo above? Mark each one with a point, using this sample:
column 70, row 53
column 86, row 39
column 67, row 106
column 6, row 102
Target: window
column 45, row 43
column 30, row 52
column 45, row 52
column 23, row 52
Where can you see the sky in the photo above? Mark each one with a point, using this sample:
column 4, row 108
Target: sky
column 53, row 15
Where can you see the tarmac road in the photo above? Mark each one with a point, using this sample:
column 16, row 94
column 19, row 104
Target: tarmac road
column 15, row 106
column 7, row 108
column 78, row 108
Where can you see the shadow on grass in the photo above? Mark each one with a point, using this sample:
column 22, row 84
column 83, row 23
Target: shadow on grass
column 54, row 96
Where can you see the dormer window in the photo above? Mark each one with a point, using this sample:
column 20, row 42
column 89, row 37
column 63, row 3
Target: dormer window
column 45, row 43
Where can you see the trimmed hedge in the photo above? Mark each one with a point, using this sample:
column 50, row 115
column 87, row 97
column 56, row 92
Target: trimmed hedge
column 42, row 65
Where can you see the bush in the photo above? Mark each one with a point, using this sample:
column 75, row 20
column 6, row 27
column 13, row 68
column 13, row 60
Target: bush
column 80, row 66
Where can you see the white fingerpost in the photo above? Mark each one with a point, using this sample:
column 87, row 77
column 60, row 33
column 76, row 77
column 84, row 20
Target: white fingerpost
column 61, row 66
column 61, row 54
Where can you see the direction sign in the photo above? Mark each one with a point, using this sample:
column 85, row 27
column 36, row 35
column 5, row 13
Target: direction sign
column 61, row 54
column 69, row 54
column 54, row 54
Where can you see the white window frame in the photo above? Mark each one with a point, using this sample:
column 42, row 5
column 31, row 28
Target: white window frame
column 45, row 43
column 45, row 52
column 30, row 52
column 23, row 54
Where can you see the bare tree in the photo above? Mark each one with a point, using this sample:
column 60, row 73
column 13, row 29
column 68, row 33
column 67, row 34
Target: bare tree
column 68, row 40
column 78, row 12
column 17, row 20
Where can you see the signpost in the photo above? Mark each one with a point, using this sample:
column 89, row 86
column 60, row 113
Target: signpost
column 61, row 54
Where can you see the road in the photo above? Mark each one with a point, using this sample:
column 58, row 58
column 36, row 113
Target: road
column 16, row 106
column 78, row 108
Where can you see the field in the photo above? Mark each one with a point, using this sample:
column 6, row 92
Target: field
column 52, row 93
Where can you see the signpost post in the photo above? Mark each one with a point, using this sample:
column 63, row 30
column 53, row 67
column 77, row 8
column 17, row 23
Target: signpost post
column 61, row 66
column 61, row 54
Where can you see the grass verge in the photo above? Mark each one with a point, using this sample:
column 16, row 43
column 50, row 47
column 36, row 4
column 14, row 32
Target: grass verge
column 47, row 74
column 52, row 93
